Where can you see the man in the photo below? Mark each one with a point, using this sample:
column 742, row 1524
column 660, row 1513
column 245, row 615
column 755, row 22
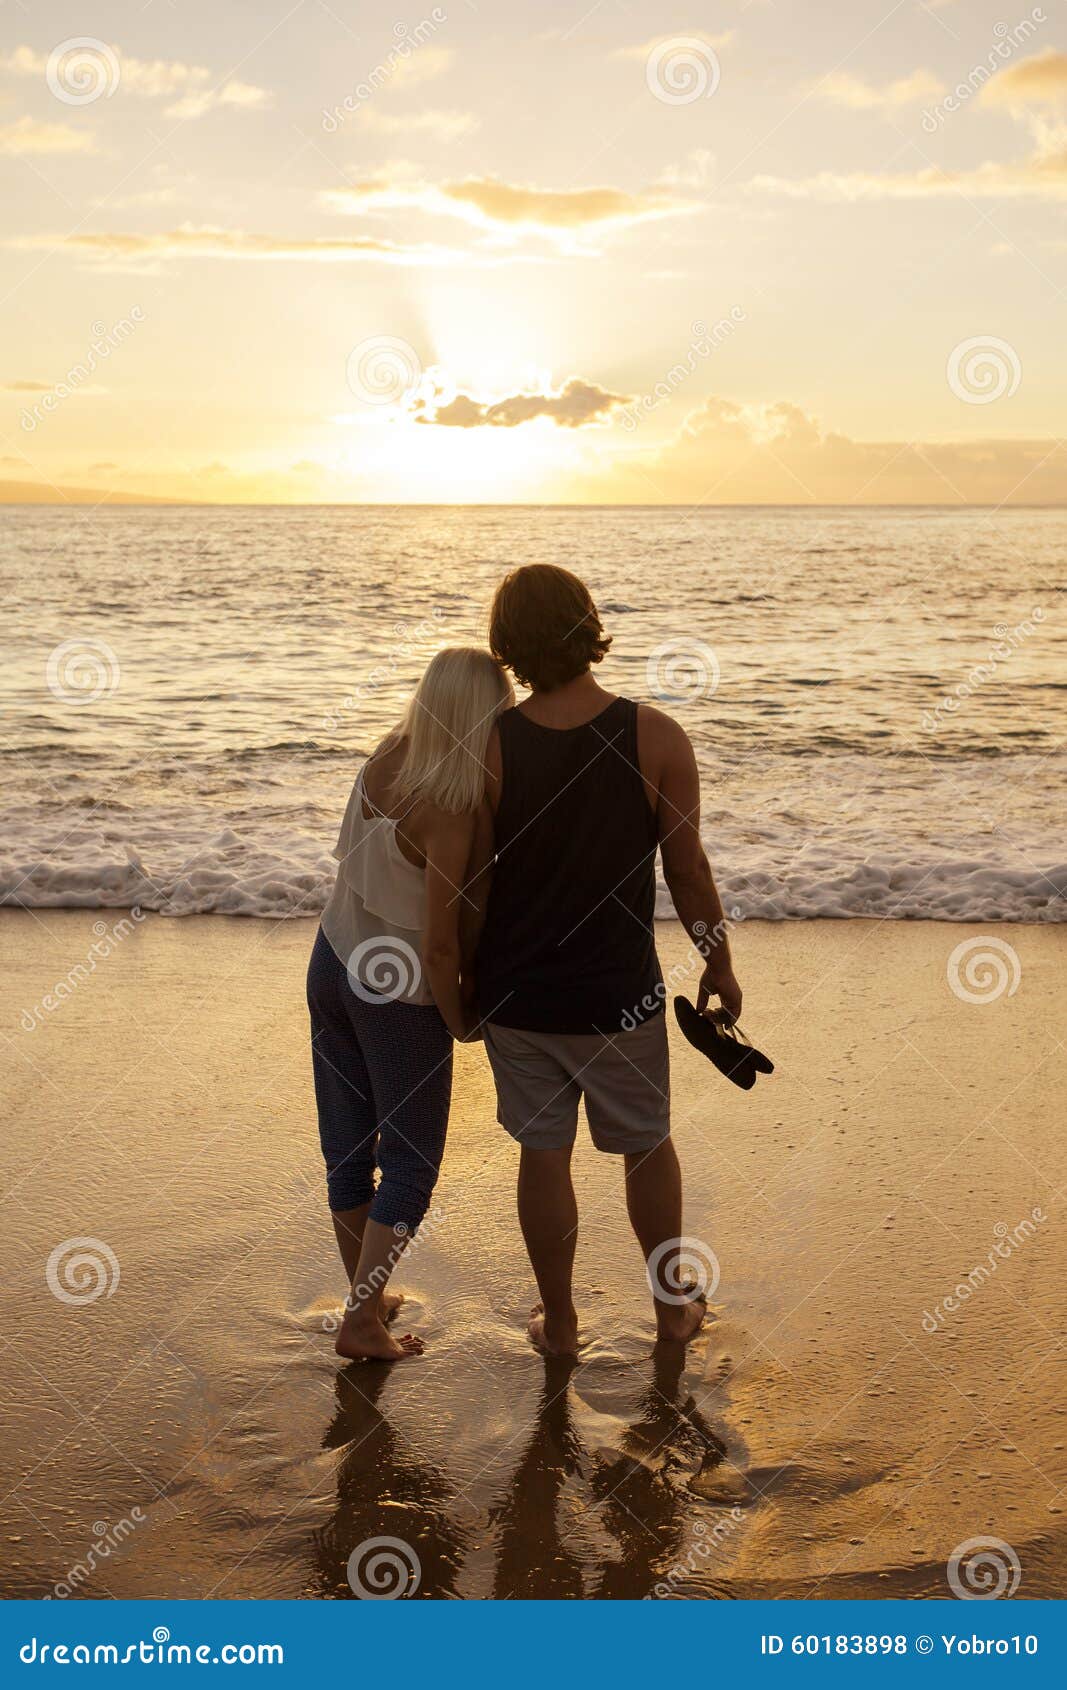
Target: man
column 584, row 787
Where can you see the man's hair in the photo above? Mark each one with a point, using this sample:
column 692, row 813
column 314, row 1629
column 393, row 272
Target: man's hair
column 544, row 626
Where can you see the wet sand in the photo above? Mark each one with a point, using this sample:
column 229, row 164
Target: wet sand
column 839, row 1429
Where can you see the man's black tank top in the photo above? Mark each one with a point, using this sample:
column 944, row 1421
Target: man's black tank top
column 569, row 944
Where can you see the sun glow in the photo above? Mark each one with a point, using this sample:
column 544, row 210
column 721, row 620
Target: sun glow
column 411, row 461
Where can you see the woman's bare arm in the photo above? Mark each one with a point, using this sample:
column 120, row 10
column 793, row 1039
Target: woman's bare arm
column 447, row 842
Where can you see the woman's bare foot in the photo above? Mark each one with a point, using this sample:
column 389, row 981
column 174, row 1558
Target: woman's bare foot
column 388, row 1305
column 553, row 1337
column 368, row 1340
column 677, row 1323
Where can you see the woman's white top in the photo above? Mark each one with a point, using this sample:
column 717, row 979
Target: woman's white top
column 375, row 917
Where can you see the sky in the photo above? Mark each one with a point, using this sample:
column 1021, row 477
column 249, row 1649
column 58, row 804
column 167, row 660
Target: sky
column 621, row 252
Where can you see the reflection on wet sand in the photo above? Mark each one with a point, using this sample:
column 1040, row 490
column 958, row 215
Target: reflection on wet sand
column 384, row 1490
column 635, row 1496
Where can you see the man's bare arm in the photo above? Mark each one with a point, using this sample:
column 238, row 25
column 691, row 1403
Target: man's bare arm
column 686, row 869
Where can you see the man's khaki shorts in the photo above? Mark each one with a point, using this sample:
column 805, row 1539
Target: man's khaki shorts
column 624, row 1078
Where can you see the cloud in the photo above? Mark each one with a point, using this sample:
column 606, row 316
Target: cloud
column 157, row 79
column 1041, row 80
column 424, row 66
column 644, row 48
column 1042, row 174
column 844, row 90
column 190, row 242
column 693, row 172
column 442, row 125
column 26, row 387
column 507, row 209
column 245, row 96
column 577, row 404
column 26, row 135
column 730, row 453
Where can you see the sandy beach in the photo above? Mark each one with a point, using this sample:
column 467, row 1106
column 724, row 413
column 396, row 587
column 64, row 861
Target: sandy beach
column 847, row 1421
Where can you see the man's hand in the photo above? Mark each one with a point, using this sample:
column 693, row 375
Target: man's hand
column 720, row 983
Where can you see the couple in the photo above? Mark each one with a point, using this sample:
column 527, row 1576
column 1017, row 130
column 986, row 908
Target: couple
column 498, row 862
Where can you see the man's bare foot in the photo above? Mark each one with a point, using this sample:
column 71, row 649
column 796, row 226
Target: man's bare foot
column 553, row 1337
column 368, row 1340
column 677, row 1323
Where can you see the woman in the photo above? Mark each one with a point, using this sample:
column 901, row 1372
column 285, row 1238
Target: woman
column 385, row 984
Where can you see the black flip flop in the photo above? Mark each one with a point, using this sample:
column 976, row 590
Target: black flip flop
column 727, row 1047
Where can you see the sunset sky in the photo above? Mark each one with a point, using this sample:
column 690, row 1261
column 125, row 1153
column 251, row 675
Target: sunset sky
column 613, row 252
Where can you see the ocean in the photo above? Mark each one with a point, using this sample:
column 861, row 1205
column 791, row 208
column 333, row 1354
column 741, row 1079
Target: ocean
column 874, row 695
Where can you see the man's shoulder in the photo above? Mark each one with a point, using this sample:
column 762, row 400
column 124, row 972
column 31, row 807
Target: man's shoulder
column 658, row 730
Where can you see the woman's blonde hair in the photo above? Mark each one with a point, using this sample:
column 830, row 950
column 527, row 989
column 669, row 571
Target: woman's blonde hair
column 447, row 726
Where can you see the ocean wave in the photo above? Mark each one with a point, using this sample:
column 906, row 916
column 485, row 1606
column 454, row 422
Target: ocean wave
column 234, row 872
